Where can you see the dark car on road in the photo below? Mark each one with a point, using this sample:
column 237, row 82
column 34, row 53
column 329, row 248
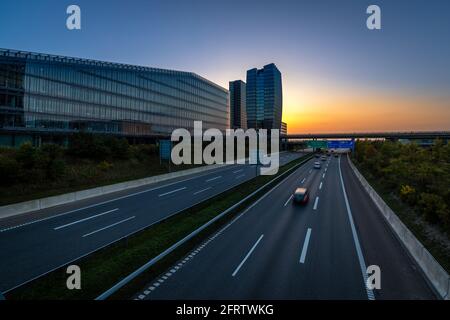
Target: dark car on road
column 301, row 195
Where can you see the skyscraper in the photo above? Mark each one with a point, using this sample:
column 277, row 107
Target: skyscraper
column 238, row 110
column 264, row 98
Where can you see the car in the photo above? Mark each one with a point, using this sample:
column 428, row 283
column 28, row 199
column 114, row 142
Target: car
column 323, row 158
column 317, row 155
column 336, row 155
column 301, row 195
column 317, row 165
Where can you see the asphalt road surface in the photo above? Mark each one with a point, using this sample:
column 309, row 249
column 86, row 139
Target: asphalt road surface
column 280, row 250
column 35, row 243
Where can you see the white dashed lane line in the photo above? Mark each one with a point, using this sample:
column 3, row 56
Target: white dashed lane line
column 170, row 192
column 288, row 200
column 320, row 186
column 200, row 191
column 215, row 178
column 305, row 246
column 85, row 219
column 316, row 202
column 107, row 227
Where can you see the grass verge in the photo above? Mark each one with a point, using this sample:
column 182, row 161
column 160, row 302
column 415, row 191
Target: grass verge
column 410, row 218
column 102, row 269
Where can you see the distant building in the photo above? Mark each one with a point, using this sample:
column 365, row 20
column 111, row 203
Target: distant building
column 238, row 110
column 283, row 130
column 264, row 98
column 45, row 98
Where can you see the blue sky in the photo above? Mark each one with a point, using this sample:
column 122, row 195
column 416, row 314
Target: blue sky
column 320, row 45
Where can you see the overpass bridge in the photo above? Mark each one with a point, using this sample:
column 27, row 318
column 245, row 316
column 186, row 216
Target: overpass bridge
column 371, row 135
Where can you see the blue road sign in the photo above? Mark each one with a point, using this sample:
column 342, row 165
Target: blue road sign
column 341, row 144
column 165, row 149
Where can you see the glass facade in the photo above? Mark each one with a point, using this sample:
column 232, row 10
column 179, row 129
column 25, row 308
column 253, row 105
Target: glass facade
column 264, row 98
column 59, row 94
column 238, row 110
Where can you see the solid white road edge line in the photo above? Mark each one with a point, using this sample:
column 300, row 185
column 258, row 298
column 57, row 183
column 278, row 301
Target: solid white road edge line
column 362, row 263
column 246, row 257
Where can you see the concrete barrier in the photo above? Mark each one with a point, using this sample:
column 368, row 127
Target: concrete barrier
column 38, row 204
column 434, row 272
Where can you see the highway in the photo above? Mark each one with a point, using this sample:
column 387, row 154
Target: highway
column 36, row 243
column 277, row 249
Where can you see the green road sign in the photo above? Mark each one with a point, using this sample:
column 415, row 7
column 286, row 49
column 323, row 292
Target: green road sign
column 323, row 144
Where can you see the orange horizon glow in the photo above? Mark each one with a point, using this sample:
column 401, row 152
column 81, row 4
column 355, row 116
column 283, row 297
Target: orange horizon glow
column 309, row 111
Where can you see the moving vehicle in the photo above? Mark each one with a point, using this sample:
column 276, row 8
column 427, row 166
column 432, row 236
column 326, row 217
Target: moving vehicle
column 323, row 158
column 336, row 155
column 301, row 195
column 317, row 165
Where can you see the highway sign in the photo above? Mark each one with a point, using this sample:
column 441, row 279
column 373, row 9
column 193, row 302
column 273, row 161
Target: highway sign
column 341, row 144
column 317, row 144
column 165, row 149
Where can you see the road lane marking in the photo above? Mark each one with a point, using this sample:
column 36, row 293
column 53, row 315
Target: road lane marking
column 320, row 186
column 215, row 178
column 105, row 202
column 310, row 171
column 323, row 176
column 316, row 202
column 203, row 190
column 303, row 180
column 288, row 200
column 107, row 227
column 240, row 176
column 170, row 192
column 237, row 171
column 305, row 246
column 246, row 257
column 362, row 263
column 85, row 219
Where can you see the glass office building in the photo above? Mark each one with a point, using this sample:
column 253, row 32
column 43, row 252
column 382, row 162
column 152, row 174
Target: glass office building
column 238, row 110
column 264, row 98
column 43, row 97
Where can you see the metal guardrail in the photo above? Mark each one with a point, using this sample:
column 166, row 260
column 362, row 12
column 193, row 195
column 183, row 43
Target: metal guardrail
column 172, row 248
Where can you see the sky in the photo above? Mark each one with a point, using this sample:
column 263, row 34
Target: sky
column 338, row 76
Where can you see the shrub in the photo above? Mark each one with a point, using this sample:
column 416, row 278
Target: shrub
column 104, row 166
column 408, row 194
column 9, row 170
column 432, row 207
column 56, row 169
column 26, row 156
